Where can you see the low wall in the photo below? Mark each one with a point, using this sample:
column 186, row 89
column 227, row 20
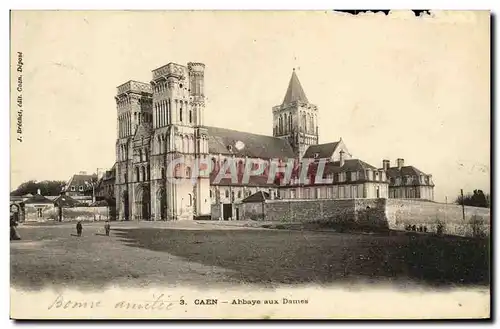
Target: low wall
column 402, row 213
column 86, row 214
column 395, row 214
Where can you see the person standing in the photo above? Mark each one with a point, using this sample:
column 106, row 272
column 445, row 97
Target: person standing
column 107, row 227
column 79, row 228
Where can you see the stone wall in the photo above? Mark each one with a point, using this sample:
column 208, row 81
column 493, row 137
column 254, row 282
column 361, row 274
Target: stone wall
column 252, row 210
column 394, row 214
column 85, row 214
column 402, row 213
column 310, row 210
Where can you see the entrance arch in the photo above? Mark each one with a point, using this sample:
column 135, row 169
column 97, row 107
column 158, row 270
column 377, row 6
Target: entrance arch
column 162, row 201
column 126, row 210
column 142, row 203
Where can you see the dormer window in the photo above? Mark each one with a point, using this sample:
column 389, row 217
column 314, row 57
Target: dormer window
column 72, row 188
column 230, row 148
column 316, row 155
column 80, row 188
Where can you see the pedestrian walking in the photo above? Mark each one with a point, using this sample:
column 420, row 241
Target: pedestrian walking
column 79, row 228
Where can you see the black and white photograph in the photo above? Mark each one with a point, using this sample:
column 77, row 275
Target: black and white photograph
column 250, row 164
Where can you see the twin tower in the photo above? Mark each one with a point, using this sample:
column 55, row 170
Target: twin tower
column 158, row 123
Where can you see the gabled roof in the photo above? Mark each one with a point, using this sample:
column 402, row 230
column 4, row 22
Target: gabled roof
column 66, row 201
column 294, row 91
column 229, row 142
column 38, row 199
column 256, row 197
column 323, row 150
column 80, row 179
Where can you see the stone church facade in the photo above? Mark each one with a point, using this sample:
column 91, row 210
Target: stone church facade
column 162, row 139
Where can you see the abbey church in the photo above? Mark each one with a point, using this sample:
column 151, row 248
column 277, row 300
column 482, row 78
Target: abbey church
column 162, row 121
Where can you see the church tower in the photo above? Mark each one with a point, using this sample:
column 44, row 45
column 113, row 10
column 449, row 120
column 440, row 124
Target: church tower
column 296, row 119
column 179, row 142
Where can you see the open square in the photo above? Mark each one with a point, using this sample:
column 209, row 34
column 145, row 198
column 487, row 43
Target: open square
column 139, row 254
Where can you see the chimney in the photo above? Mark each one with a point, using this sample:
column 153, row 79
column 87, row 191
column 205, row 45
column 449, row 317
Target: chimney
column 401, row 163
column 39, row 192
column 386, row 164
column 341, row 159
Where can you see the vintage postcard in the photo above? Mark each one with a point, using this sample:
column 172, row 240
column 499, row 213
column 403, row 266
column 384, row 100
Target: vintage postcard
column 250, row 165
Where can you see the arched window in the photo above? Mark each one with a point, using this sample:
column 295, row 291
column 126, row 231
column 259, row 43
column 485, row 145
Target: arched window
column 285, row 121
column 180, row 114
column 214, row 164
column 240, row 167
column 143, row 173
column 148, row 172
column 290, row 122
column 137, row 175
column 190, row 199
column 163, row 173
column 190, row 116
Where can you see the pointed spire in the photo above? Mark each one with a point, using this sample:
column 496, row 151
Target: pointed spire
column 294, row 91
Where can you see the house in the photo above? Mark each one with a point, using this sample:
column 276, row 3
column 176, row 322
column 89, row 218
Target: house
column 408, row 182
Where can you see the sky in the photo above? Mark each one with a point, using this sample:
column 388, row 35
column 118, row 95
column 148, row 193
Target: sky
column 394, row 86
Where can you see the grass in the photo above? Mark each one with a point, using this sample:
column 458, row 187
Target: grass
column 141, row 256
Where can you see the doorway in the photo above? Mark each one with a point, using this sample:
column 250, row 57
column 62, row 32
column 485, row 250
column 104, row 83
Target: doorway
column 227, row 210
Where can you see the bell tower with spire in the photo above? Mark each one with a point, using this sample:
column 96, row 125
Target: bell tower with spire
column 296, row 119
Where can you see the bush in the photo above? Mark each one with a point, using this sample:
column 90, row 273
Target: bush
column 477, row 227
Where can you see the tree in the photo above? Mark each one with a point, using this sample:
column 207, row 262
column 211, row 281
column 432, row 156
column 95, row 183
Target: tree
column 47, row 187
column 476, row 199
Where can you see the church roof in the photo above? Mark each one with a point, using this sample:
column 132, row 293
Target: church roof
column 294, row 91
column 242, row 144
column 323, row 150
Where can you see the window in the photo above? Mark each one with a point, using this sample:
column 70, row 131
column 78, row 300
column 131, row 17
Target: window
column 227, row 194
column 210, row 194
column 239, row 194
column 163, row 173
column 144, row 173
column 232, row 196
column 190, row 116
column 80, row 189
column 354, row 176
column 190, row 199
column 335, row 177
column 72, row 188
column 180, row 114
column 188, row 172
column 137, row 174
column 39, row 212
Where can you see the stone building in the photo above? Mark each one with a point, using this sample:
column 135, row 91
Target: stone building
column 170, row 165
